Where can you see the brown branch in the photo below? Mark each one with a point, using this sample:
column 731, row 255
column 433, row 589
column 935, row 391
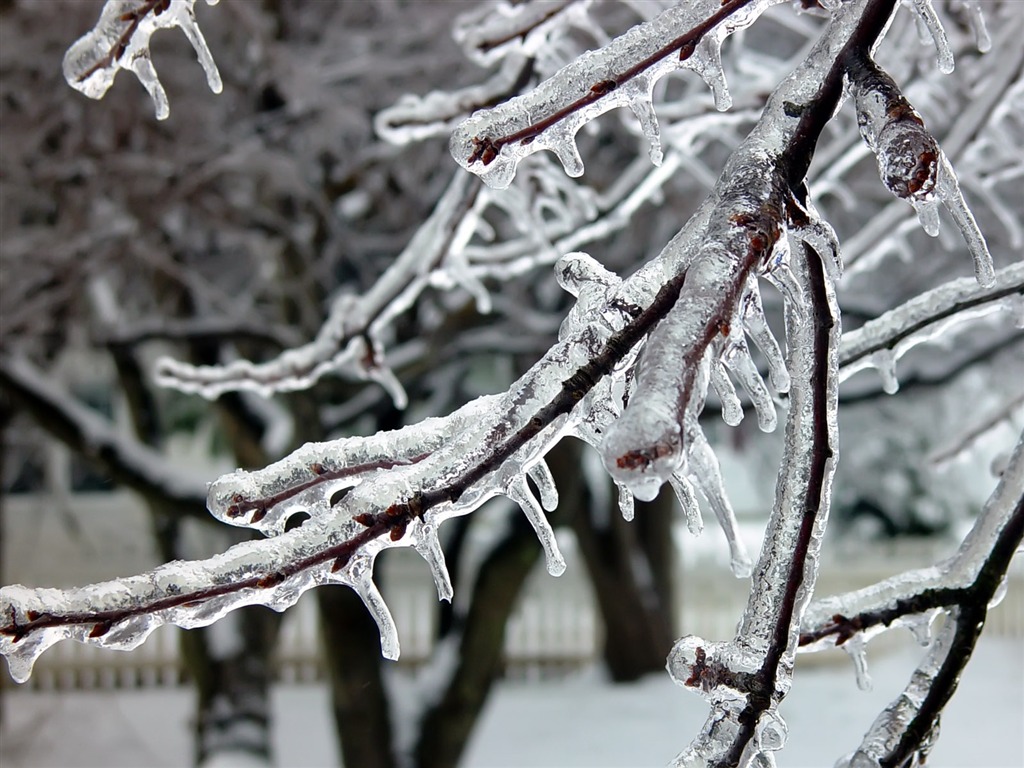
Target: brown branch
column 485, row 46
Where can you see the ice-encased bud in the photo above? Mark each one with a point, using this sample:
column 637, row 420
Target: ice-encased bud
column 120, row 40
column 644, row 450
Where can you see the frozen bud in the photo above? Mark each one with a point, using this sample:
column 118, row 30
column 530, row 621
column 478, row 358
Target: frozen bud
column 687, row 661
column 907, row 154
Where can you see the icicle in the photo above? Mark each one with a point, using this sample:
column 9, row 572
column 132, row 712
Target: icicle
column 999, row 594
column 928, row 214
column 384, row 376
column 642, row 105
column 626, row 502
column 820, row 236
column 707, row 472
column 367, row 590
column 428, row 546
column 976, row 19
column 920, row 626
column 688, row 501
column 568, row 154
column 520, row 493
column 925, row 11
column 756, row 325
column 777, row 272
column 541, row 476
column 948, row 191
column 884, row 361
column 143, row 68
column 737, row 358
column 706, row 61
column 856, row 648
column 732, row 409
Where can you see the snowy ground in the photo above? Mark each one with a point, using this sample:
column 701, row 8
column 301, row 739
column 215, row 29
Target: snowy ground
column 581, row 721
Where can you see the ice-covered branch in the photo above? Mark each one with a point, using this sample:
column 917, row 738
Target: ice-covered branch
column 913, row 598
column 965, row 587
column 910, row 162
column 128, row 461
column 350, row 338
column 621, row 74
column 879, row 343
column 120, row 40
column 745, row 679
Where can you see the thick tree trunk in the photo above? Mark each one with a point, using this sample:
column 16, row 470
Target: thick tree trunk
column 446, row 727
column 359, row 702
column 630, row 567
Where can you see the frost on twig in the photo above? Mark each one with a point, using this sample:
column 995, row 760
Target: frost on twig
column 120, row 40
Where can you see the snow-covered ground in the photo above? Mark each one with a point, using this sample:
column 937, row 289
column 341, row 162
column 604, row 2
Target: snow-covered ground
column 581, row 721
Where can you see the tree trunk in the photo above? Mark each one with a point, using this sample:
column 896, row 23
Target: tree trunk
column 359, row 702
column 630, row 567
column 446, row 727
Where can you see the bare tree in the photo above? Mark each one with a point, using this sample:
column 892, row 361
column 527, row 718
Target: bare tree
column 646, row 346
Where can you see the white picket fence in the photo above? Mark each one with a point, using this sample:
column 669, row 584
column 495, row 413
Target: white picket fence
column 555, row 628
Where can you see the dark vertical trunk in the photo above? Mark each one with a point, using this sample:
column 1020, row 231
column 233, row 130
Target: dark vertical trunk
column 447, row 726
column 630, row 566
column 230, row 664
column 354, row 664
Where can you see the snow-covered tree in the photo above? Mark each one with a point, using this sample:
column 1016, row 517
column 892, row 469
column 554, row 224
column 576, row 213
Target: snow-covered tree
column 241, row 241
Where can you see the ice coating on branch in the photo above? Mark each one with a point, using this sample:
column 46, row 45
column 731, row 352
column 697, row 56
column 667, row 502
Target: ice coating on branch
column 491, row 143
column 349, row 341
column 120, row 40
column 496, row 30
column 958, row 571
column 879, row 343
column 890, row 726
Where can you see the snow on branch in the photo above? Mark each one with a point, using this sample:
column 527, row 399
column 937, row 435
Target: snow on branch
column 120, row 40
